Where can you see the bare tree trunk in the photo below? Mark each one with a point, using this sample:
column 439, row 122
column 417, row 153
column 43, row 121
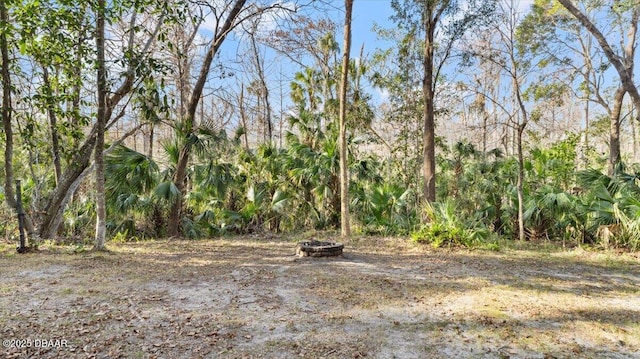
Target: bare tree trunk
column 521, row 124
column 634, row 137
column 428, row 116
column 614, row 131
column 58, row 199
column 243, row 117
column 344, row 86
column 585, row 153
column 101, row 213
column 520, row 183
column 7, row 109
column 77, row 86
column 151, row 139
column 53, row 126
column 264, row 90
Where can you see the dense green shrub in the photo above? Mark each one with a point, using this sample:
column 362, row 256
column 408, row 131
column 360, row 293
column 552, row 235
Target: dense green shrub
column 445, row 227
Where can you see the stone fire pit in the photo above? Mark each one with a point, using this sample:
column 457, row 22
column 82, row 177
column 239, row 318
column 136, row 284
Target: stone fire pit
column 315, row 248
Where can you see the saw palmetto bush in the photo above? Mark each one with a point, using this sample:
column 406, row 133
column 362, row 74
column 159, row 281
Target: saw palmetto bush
column 132, row 185
column 551, row 213
column 482, row 186
column 312, row 167
column 611, row 207
column 445, row 227
column 384, row 208
column 551, row 210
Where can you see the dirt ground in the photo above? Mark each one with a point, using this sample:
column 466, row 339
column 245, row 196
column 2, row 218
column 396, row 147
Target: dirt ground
column 252, row 298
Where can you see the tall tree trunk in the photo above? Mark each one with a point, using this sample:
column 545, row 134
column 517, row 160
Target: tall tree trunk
column 7, row 109
column 520, row 183
column 521, row 125
column 264, row 91
column 344, row 86
column 634, row 137
column 53, row 126
column 428, row 116
column 101, row 214
column 180, row 176
column 243, row 117
column 614, row 131
column 151, row 139
column 77, row 86
column 585, row 153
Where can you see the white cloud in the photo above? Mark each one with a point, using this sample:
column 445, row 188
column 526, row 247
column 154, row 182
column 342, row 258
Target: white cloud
column 524, row 6
column 383, row 95
column 267, row 21
column 270, row 20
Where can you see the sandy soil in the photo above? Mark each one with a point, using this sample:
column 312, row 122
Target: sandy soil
column 252, row 298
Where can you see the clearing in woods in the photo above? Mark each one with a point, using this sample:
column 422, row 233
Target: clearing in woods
column 251, row 298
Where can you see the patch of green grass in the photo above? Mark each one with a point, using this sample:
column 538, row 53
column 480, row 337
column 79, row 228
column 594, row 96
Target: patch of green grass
column 8, row 248
column 494, row 313
column 6, row 290
column 490, row 246
column 67, row 291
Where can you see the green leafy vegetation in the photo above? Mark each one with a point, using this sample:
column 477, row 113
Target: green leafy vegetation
column 526, row 138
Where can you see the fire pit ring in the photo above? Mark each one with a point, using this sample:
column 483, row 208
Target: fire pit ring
column 315, row 248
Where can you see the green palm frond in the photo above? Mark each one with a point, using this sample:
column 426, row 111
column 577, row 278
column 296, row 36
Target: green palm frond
column 129, row 176
column 280, row 200
column 126, row 167
column 172, row 150
column 166, row 191
column 591, row 177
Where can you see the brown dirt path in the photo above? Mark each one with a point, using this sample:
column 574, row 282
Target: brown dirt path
column 385, row 298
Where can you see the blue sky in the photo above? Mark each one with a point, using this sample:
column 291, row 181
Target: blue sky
column 365, row 13
column 368, row 12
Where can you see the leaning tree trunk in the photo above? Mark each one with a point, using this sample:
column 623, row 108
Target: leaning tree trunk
column 180, row 176
column 69, row 181
column 73, row 174
column 76, row 171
